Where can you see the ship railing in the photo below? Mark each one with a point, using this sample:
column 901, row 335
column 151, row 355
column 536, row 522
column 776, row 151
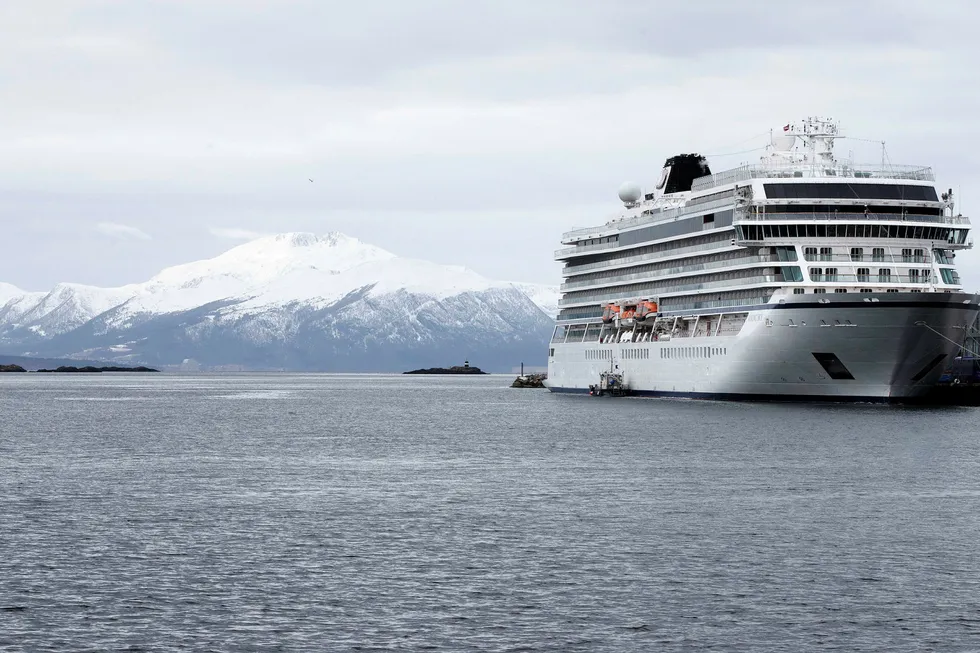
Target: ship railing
column 581, row 314
column 866, row 258
column 641, row 216
column 727, row 284
column 719, row 303
column 797, row 170
column 651, row 257
column 599, row 231
column 584, row 249
column 667, row 215
column 873, row 278
column 743, row 216
column 666, row 272
column 738, row 284
column 699, row 303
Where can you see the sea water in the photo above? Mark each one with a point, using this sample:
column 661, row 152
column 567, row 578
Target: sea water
column 304, row 512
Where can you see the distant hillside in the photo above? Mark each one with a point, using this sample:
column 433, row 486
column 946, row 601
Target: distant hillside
column 34, row 364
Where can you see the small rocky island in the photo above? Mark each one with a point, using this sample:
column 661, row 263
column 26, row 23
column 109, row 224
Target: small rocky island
column 88, row 369
column 456, row 369
column 529, row 381
column 11, row 368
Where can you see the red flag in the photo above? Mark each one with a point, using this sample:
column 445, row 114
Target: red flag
column 786, row 128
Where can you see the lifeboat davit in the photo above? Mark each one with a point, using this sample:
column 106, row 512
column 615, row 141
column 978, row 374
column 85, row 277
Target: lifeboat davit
column 644, row 309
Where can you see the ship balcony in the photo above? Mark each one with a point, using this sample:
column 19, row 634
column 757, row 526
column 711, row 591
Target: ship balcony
column 568, row 252
column 950, row 278
column 578, row 235
column 876, row 279
column 667, row 254
column 602, row 296
column 648, row 212
column 867, row 258
column 655, row 275
column 792, row 228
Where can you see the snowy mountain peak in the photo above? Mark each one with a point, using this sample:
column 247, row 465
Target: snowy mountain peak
column 65, row 307
column 268, row 258
column 333, row 251
column 299, row 239
column 307, row 239
column 8, row 292
column 332, row 293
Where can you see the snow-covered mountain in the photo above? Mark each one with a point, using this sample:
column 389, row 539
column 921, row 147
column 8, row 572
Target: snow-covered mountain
column 544, row 296
column 290, row 301
column 8, row 292
column 66, row 307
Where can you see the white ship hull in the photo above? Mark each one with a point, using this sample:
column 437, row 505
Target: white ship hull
column 894, row 347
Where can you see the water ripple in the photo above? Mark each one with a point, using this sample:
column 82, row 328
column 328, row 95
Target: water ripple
column 384, row 513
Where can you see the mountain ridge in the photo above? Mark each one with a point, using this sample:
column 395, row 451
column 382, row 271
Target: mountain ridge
column 288, row 301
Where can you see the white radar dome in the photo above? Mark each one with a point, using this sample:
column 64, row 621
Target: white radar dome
column 783, row 142
column 630, row 192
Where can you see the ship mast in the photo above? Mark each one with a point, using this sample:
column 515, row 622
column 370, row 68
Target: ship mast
column 819, row 134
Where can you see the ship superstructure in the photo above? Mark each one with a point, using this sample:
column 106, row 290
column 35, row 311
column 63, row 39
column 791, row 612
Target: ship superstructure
column 798, row 276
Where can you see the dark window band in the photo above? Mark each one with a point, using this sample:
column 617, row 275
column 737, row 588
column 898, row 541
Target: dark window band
column 851, row 191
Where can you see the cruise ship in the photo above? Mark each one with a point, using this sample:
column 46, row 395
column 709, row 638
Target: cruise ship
column 800, row 277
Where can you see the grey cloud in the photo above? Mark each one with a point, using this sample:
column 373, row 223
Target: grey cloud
column 464, row 132
column 359, row 44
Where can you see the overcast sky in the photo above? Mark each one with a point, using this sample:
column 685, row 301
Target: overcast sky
column 140, row 134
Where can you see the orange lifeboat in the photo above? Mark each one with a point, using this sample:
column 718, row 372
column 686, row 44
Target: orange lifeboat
column 610, row 313
column 645, row 308
column 627, row 311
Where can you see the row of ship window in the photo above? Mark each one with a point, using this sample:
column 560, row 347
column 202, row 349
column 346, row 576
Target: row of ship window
column 790, row 274
column 756, row 275
column 689, row 244
column 864, row 274
column 882, row 254
column 667, row 267
column 867, row 191
column 598, row 241
column 909, row 254
column 675, row 284
column 884, row 275
column 871, row 230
